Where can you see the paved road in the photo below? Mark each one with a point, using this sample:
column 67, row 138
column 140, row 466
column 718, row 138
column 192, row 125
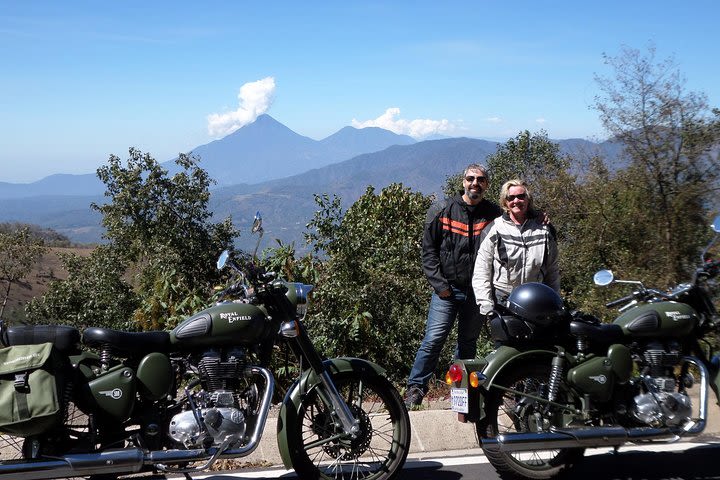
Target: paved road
column 683, row 461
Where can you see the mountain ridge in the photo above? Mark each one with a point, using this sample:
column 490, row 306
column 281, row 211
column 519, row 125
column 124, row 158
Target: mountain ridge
column 262, row 150
column 286, row 201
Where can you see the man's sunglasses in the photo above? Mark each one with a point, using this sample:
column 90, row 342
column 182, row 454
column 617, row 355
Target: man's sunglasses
column 471, row 179
column 519, row 196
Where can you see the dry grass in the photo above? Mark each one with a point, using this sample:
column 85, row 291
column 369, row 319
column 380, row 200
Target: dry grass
column 48, row 269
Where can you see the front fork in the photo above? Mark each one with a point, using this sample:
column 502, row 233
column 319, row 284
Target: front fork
column 331, row 396
column 327, row 391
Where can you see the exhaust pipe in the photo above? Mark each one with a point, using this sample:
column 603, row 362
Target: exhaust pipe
column 118, row 461
column 574, row 438
column 121, row 462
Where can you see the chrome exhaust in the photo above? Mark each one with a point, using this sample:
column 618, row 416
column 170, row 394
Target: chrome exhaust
column 575, row 438
column 116, row 461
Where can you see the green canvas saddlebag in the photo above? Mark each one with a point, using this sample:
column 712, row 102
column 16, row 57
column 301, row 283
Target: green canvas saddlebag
column 31, row 400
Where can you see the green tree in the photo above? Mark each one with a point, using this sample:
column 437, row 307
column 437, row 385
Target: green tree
column 161, row 226
column 373, row 296
column 597, row 228
column 453, row 185
column 19, row 251
column 283, row 261
column 669, row 135
column 532, row 157
column 159, row 261
column 94, row 293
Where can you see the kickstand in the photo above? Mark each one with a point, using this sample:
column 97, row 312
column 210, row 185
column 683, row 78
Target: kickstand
column 187, row 476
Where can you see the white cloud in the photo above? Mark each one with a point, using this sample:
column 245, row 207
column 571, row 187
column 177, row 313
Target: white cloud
column 255, row 99
column 494, row 120
column 418, row 128
column 540, row 120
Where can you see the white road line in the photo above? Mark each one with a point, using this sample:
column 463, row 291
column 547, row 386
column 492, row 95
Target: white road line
column 472, row 459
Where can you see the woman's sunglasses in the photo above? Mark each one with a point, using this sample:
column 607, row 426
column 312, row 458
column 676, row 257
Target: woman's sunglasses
column 519, row 196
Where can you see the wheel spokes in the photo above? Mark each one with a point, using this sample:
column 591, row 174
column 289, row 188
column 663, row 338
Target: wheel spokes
column 336, row 454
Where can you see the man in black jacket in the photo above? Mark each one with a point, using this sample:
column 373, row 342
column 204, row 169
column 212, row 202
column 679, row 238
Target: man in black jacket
column 450, row 243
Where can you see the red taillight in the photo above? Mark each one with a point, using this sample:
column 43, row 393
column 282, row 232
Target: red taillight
column 455, row 374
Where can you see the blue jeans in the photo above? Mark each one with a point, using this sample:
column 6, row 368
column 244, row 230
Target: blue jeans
column 441, row 317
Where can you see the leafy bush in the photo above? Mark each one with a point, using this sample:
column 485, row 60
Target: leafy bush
column 372, row 298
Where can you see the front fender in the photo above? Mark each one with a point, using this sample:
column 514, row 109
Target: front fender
column 288, row 417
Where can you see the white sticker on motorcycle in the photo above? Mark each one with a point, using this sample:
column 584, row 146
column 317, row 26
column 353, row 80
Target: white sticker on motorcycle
column 115, row 393
column 232, row 317
column 677, row 316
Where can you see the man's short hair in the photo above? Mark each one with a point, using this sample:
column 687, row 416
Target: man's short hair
column 475, row 166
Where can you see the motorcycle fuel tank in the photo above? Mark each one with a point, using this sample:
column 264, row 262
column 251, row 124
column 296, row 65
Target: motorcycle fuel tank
column 658, row 319
column 223, row 324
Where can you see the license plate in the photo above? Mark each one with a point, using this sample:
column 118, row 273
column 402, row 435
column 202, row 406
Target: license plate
column 459, row 400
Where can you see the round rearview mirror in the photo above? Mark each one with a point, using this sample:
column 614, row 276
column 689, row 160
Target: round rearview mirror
column 257, row 223
column 603, row 277
column 716, row 224
column 222, row 260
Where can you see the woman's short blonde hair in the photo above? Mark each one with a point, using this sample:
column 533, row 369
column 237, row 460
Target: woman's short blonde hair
column 515, row 182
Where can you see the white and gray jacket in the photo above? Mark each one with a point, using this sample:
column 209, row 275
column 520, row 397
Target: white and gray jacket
column 511, row 255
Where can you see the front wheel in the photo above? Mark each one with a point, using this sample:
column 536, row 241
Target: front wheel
column 320, row 448
column 508, row 412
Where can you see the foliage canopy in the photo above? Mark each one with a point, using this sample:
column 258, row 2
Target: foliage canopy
column 161, row 249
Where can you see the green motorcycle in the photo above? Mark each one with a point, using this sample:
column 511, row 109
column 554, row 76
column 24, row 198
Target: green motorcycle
column 561, row 382
column 110, row 402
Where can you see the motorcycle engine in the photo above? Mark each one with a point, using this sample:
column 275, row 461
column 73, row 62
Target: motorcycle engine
column 662, row 404
column 220, row 404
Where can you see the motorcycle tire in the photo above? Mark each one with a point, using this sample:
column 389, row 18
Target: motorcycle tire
column 320, row 450
column 508, row 412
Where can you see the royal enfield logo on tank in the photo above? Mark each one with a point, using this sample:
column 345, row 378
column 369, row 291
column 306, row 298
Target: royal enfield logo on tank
column 233, row 317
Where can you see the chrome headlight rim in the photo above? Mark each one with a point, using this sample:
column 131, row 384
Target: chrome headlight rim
column 301, row 298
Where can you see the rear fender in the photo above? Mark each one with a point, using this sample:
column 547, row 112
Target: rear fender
column 493, row 367
column 505, row 357
column 288, row 417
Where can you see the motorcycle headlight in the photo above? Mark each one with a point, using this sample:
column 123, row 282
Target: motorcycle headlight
column 298, row 294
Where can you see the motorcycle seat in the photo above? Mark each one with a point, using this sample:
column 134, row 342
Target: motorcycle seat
column 126, row 344
column 65, row 339
column 604, row 333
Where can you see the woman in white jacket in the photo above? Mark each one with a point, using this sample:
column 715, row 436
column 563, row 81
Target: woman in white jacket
column 517, row 248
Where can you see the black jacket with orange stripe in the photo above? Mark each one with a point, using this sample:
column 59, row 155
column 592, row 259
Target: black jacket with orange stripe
column 451, row 239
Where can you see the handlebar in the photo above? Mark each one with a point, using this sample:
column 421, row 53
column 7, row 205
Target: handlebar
column 711, row 268
column 620, row 301
column 248, row 279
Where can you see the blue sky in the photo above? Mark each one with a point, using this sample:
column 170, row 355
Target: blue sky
column 81, row 80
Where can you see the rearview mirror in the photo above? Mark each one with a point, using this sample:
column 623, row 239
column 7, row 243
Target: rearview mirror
column 222, row 260
column 603, row 277
column 257, row 223
column 716, row 224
